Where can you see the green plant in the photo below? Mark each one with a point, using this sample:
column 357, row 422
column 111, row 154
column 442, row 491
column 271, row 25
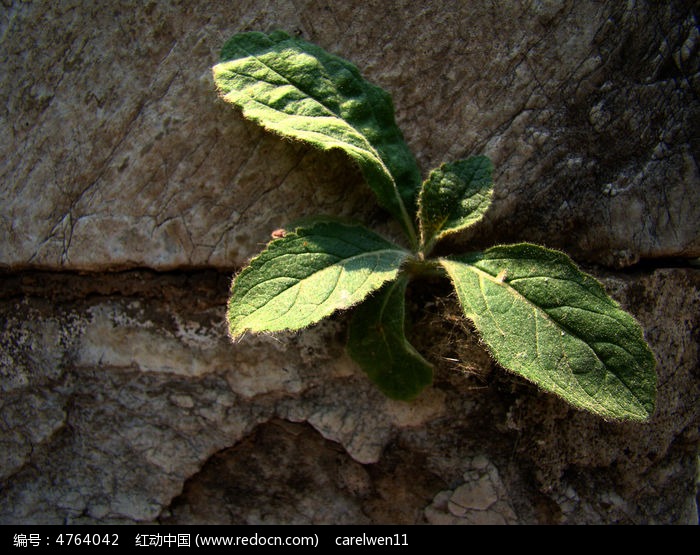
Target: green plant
column 536, row 312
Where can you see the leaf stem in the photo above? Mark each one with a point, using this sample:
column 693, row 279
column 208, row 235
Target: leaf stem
column 419, row 267
column 426, row 248
column 409, row 227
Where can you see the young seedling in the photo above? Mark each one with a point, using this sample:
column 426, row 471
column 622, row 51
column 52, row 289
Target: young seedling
column 536, row 312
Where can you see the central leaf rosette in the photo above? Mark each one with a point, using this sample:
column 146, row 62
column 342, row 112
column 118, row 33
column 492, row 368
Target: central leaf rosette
column 536, row 312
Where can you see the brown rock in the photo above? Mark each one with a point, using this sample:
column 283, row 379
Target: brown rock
column 119, row 154
column 129, row 193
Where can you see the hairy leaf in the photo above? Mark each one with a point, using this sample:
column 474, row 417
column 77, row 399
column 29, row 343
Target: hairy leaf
column 454, row 197
column 300, row 91
column 541, row 317
column 308, row 274
column 378, row 344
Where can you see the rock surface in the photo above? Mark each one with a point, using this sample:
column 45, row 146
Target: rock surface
column 124, row 401
column 119, row 153
column 129, row 193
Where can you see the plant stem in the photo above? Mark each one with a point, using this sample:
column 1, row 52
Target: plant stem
column 419, row 267
column 408, row 225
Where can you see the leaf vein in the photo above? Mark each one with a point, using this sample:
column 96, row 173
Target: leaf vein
column 376, row 255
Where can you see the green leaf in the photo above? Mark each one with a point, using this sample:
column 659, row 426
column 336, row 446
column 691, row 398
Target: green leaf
column 300, row 91
column 308, row 274
column 378, row 344
column 541, row 317
column 454, row 197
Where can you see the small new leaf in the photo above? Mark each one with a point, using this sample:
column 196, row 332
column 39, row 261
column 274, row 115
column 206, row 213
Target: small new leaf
column 543, row 318
column 377, row 343
column 308, row 274
column 300, row 91
column 454, row 197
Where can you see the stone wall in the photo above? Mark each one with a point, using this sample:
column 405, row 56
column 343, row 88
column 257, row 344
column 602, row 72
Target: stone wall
column 129, row 195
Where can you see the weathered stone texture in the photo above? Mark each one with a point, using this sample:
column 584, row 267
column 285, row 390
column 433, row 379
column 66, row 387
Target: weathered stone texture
column 116, row 390
column 129, row 193
column 119, row 154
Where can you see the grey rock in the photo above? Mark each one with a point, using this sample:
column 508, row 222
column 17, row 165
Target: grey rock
column 118, row 153
column 129, row 194
column 95, row 430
